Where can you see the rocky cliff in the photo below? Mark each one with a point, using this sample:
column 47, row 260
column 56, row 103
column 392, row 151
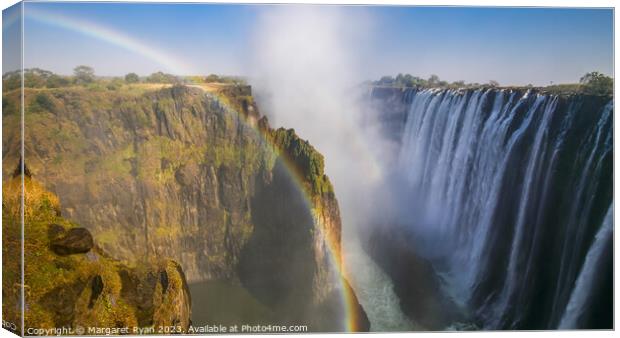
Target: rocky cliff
column 392, row 105
column 195, row 176
column 71, row 282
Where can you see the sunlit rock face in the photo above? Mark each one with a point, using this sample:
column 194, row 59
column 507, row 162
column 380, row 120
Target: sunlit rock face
column 193, row 176
column 509, row 196
column 73, row 283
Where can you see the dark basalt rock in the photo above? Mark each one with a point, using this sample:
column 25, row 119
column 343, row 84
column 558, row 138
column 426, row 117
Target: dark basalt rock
column 327, row 316
column 139, row 291
column 76, row 241
column 415, row 281
column 359, row 318
column 18, row 170
column 163, row 279
column 60, row 302
column 96, row 287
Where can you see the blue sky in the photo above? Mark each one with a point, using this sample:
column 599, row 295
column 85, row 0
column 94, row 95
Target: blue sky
column 510, row 45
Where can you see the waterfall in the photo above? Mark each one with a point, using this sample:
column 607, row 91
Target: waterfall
column 580, row 301
column 511, row 191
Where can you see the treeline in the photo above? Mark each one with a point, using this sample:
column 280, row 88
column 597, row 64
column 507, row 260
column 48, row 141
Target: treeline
column 408, row 80
column 85, row 76
column 213, row 78
column 594, row 83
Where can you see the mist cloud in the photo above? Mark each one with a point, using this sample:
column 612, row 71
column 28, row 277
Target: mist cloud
column 307, row 76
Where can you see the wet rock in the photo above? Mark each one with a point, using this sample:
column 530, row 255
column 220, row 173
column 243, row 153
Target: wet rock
column 75, row 241
column 359, row 319
column 415, row 281
column 329, row 315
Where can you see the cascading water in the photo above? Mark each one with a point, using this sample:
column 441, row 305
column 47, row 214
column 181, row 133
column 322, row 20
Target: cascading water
column 513, row 202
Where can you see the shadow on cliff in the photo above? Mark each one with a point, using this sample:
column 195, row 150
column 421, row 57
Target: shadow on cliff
column 279, row 266
column 415, row 280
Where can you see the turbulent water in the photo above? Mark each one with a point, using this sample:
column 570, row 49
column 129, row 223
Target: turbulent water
column 374, row 290
column 511, row 199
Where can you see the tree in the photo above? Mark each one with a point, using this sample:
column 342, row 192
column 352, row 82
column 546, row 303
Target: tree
column 160, row 77
column 84, row 74
column 132, row 78
column 597, row 83
column 433, row 80
column 212, row 78
column 493, row 83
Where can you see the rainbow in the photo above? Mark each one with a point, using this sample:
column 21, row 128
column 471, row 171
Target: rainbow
column 348, row 298
column 168, row 62
column 175, row 66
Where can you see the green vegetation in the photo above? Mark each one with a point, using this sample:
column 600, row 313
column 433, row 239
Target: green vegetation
column 160, row 77
column 408, row 80
column 184, row 136
column 132, row 78
column 34, row 78
column 56, row 81
column 307, row 161
column 597, row 84
column 148, row 168
column 214, row 78
column 61, row 288
column 593, row 83
column 84, row 74
column 42, row 102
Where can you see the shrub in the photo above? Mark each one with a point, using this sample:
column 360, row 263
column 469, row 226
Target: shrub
column 597, row 84
column 132, row 78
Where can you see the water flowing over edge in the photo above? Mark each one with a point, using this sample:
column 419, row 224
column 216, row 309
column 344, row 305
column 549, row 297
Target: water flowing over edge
column 514, row 185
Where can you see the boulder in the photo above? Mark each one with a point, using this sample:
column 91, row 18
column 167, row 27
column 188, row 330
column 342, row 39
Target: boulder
column 75, row 241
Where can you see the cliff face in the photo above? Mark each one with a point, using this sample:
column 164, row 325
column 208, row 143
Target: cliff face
column 177, row 172
column 70, row 282
column 392, row 104
column 150, row 174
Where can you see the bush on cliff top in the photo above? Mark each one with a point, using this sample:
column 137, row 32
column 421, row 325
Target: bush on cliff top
column 307, row 161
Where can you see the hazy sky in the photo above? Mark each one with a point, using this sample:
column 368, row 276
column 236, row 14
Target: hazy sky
column 510, row 45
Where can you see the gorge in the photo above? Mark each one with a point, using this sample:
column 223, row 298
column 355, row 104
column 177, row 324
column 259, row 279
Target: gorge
column 197, row 176
column 492, row 207
column 285, row 168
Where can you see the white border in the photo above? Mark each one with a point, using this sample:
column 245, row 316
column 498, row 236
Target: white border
column 482, row 3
